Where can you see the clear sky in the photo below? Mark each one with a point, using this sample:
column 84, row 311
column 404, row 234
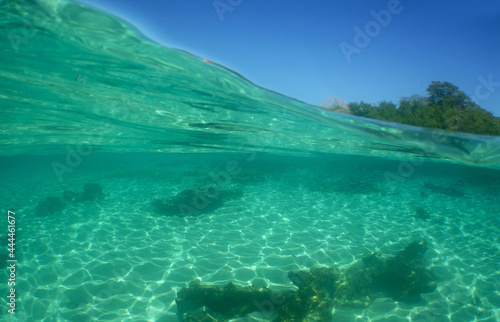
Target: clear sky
column 357, row 50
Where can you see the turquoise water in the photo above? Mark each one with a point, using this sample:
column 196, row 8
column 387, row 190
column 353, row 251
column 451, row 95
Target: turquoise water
column 87, row 99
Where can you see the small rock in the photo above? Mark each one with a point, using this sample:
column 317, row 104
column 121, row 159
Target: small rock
column 50, row 206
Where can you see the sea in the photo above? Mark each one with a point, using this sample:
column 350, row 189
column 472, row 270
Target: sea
column 103, row 132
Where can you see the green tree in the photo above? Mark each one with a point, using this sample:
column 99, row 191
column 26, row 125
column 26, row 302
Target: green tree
column 446, row 107
column 387, row 111
column 444, row 94
column 360, row 109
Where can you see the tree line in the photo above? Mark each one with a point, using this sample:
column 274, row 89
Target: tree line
column 445, row 107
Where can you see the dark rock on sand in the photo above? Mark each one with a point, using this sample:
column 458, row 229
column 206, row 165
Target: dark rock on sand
column 224, row 303
column 49, row 206
column 69, row 195
column 91, row 192
column 402, row 277
column 193, row 202
column 421, row 213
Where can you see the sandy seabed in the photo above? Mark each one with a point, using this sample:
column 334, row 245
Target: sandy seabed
column 118, row 259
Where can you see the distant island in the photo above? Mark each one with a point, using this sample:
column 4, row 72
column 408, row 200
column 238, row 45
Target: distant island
column 446, row 107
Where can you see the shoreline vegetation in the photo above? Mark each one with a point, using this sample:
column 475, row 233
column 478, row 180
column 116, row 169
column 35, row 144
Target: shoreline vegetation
column 445, row 107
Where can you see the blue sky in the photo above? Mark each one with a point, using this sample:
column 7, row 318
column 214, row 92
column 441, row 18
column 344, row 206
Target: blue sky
column 357, row 50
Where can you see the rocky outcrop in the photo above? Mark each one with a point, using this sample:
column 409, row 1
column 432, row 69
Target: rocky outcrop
column 402, row 277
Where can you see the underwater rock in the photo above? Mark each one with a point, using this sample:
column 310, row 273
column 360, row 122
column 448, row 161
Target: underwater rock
column 421, row 213
column 314, row 299
column 230, row 301
column 193, row 202
column 402, row 277
column 49, row 206
column 91, row 192
column 203, row 315
column 69, row 195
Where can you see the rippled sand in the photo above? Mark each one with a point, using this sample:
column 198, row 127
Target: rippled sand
column 118, row 258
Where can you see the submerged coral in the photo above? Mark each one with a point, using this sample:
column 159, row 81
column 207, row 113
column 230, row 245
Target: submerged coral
column 402, row 277
column 314, row 299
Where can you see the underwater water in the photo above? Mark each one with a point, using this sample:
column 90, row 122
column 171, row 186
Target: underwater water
column 206, row 176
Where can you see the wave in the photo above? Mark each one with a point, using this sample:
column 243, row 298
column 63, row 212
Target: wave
column 74, row 77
